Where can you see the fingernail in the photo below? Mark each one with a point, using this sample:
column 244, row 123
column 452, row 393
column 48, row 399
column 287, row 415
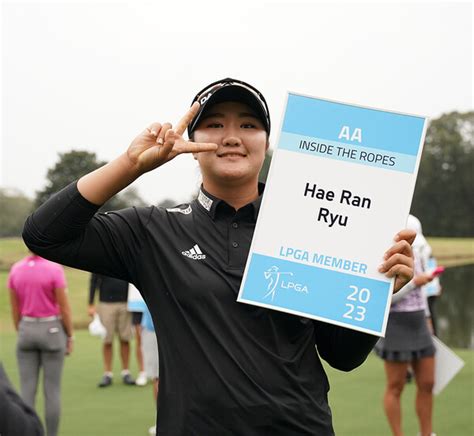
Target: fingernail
column 385, row 256
column 160, row 141
column 381, row 267
column 153, row 132
column 397, row 237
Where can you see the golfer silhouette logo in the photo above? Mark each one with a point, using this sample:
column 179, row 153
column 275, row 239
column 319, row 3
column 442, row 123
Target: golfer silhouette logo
column 273, row 275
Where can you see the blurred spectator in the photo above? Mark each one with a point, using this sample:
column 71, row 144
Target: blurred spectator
column 42, row 317
column 116, row 318
column 137, row 329
column 150, row 355
column 408, row 342
column 433, row 291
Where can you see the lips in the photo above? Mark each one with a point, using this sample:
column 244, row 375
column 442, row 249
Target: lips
column 231, row 154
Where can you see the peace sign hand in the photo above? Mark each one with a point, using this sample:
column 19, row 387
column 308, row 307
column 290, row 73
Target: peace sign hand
column 159, row 143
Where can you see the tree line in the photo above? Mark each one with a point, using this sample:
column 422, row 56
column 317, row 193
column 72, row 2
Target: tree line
column 443, row 198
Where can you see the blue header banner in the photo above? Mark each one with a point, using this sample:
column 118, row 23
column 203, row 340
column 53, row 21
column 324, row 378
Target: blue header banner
column 354, row 125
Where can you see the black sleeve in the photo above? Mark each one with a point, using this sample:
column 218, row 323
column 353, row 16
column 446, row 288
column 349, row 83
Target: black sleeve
column 92, row 287
column 342, row 348
column 66, row 229
column 16, row 418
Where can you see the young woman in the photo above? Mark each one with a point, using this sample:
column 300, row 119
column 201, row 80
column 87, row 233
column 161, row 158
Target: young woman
column 42, row 317
column 225, row 367
column 408, row 343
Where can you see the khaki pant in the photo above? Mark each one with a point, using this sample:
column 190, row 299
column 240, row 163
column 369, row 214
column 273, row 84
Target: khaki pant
column 116, row 319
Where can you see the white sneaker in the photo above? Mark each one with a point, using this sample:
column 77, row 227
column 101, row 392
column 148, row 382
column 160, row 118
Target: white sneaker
column 152, row 430
column 141, row 380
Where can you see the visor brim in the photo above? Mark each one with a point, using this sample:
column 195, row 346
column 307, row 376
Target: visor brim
column 232, row 93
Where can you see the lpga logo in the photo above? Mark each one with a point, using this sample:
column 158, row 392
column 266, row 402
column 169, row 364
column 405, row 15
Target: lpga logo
column 273, row 275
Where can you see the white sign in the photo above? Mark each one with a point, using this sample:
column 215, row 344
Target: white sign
column 339, row 188
column 447, row 365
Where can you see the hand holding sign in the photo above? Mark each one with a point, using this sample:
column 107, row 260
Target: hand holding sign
column 398, row 260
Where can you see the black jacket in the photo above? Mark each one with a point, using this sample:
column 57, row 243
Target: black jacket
column 225, row 367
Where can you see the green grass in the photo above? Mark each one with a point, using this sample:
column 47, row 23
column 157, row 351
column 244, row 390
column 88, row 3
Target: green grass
column 453, row 251
column 355, row 397
column 11, row 249
column 123, row 410
column 86, row 409
column 356, row 401
column 448, row 251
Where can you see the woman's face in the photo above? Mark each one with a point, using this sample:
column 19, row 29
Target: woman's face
column 241, row 139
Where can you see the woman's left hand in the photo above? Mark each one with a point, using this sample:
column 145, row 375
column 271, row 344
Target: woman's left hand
column 398, row 260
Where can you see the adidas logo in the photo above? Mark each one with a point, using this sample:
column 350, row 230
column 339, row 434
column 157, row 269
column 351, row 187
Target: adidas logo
column 194, row 253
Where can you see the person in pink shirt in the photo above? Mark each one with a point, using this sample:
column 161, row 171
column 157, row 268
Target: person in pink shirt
column 42, row 317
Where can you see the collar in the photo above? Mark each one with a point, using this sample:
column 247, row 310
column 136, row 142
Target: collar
column 211, row 204
column 32, row 259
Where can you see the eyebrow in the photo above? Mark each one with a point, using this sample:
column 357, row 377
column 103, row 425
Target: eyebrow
column 221, row 115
